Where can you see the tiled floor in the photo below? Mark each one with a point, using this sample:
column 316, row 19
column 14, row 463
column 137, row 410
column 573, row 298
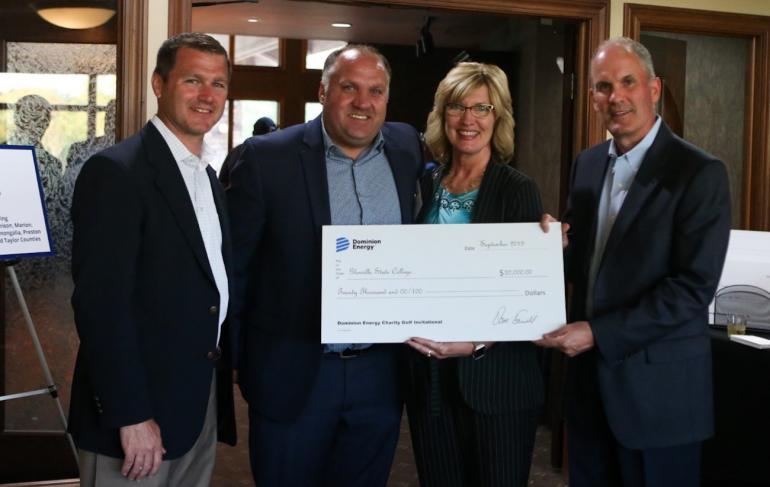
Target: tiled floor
column 57, row 334
column 232, row 467
column 233, row 462
column 404, row 474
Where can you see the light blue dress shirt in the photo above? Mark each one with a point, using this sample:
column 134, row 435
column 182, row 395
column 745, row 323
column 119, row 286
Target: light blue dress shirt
column 621, row 172
column 361, row 192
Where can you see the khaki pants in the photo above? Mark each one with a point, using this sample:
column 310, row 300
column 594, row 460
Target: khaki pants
column 193, row 469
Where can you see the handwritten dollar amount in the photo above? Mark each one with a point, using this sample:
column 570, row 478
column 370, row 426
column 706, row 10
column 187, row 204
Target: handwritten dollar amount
column 367, row 292
column 515, row 272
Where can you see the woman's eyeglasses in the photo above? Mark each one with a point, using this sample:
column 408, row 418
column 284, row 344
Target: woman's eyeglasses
column 479, row 110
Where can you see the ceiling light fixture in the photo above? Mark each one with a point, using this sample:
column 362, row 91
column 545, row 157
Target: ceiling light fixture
column 76, row 14
column 252, row 20
column 342, row 25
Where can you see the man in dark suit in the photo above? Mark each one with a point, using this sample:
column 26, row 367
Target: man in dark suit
column 263, row 126
column 319, row 414
column 151, row 250
column 650, row 220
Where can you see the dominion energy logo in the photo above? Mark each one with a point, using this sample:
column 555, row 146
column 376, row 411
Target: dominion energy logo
column 344, row 244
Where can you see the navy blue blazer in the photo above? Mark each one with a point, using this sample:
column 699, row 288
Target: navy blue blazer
column 278, row 198
column 145, row 301
column 651, row 367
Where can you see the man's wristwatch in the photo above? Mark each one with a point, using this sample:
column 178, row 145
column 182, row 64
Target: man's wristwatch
column 479, row 350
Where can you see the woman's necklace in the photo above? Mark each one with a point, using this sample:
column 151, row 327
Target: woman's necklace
column 455, row 186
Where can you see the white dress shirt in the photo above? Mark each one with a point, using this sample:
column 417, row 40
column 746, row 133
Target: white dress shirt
column 193, row 169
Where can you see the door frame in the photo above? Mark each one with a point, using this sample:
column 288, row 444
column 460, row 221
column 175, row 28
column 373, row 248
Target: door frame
column 755, row 201
column 592, row 17
column 132, row 66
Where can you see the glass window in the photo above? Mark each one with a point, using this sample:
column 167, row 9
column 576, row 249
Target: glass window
column 223, row 39
column 318, row 51
column 106, row 88
column 58, row 89
column 100, row 123
column 246, row 112
column 65, row 128
column 49, row 98
column 312, row 110
column 257, row 51
column 216, row 140
column 6, row 122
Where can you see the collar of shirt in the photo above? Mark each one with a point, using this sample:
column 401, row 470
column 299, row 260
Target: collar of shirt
column 181, row 154
column 331, row 151
column 635, row 156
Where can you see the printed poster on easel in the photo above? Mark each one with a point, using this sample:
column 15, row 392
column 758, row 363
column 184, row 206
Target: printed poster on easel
column 24, row 230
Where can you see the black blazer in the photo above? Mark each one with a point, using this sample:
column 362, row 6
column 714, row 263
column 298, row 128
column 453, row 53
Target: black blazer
column 145, row 301
column 651, row 367
column 279, row 199
column 508, row 378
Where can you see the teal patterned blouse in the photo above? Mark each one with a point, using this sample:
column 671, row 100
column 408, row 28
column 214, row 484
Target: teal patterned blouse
column 451, row 208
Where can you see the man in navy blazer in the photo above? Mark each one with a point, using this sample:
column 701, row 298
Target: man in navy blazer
column 320, row 414
column 649, row 218
column 151, row 254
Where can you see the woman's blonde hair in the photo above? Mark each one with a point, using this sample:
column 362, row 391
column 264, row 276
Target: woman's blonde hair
column 459, row 82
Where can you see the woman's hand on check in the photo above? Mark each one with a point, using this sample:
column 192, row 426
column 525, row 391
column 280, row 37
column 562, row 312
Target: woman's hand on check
column 442, row 350
column 545, row 222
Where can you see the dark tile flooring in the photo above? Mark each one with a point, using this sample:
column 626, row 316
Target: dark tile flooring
column 55, row 326
column 232, row 467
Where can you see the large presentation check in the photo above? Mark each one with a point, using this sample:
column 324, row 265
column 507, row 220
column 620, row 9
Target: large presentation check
column 480, row 282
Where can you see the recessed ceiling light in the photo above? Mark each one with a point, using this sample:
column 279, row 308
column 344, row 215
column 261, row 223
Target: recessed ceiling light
column 252, row 20
column 342, row 25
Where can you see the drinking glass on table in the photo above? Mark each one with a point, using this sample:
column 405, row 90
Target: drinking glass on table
column 736, row 324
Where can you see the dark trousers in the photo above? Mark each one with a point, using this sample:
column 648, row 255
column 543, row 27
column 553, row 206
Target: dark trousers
column 455, row 446
column 596, row 459
column 345, row 436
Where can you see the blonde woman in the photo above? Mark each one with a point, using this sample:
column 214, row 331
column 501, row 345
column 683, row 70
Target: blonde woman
column 473, row 407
